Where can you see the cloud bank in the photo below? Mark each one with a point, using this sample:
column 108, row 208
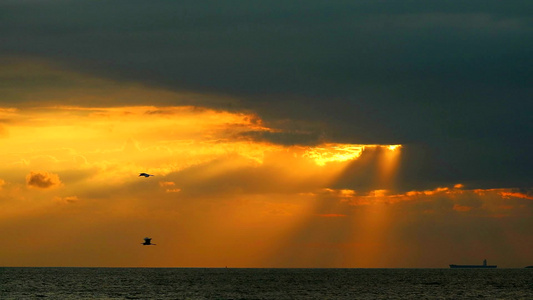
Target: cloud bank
column 448, row 79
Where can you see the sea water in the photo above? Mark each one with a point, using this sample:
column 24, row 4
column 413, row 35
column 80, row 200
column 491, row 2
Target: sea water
column 229, row 283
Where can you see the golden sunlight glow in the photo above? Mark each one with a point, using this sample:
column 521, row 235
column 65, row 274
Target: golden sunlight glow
column 66, row 160
column 66, row 154
column 388, row 166
column 127, row 138
column 334, row 153
column 376, row 223
column 81, row 165
column 394, row 147
column 331, row 152
column 221, row 193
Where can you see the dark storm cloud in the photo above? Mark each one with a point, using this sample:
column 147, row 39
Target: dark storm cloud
column 449, row 79
column 288, row 138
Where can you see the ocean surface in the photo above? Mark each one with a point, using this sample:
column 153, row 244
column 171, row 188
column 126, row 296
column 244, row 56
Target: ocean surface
column 200, row 283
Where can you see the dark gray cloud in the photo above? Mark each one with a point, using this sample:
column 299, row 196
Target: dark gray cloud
column 450, row 79
column 42, row 180
column 284, row 137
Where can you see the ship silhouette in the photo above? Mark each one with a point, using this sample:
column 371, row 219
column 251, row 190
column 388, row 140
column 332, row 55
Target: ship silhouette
column 483, row 266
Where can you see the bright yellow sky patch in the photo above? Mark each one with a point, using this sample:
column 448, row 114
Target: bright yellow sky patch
column 334, row 152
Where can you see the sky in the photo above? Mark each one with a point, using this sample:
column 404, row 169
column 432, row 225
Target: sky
column 338, row 134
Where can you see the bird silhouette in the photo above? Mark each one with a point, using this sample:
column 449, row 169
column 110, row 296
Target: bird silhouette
column 147, row 242
column 145, row 174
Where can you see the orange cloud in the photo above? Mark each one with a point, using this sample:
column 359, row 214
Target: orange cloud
column 511, row 194
column 439, row 190
column 169, row 185
column 460, row 200
column 331, row 215
column 68, row 199
column 42, row 180
column 458, row 207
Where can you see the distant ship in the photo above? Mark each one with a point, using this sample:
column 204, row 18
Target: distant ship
column 483, row 266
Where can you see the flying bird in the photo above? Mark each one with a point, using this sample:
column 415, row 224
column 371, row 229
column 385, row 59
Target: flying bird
column 147, row 242
column 145, row 174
